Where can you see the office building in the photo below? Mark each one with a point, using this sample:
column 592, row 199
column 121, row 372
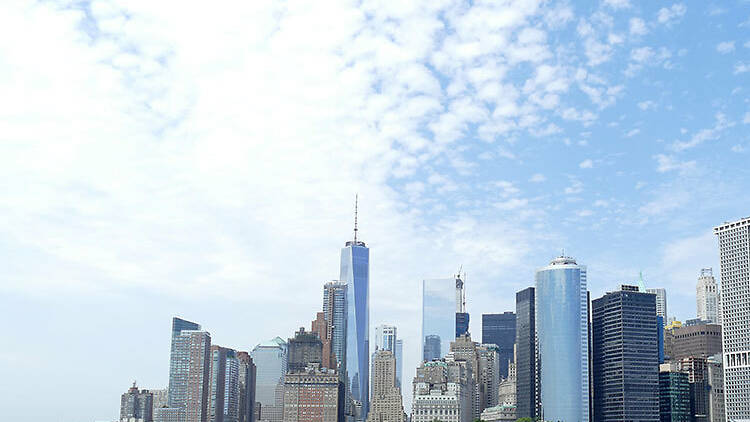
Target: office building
column 438, row 316
column 562, row 335
column 335, row 312
column 442, row 391
column 386, row 403
column 499, row 413
column 526, row 355
column 625, row 356
column 169, row 414
column 324, row 331
column 137, row 405
column 696, row 369
column 734, row 255
column 707, row 297
column 399, row 352
column 247, row 374
column 674, row 395
column 715, row 375
column 313, row 395
column 485, row 373
column 189, row 372
column 270, row 360
column 224, row 400
column 500, row 329
column 507, row 388
column 661, row 301
column 386, row 339
column 695, row 340
column 304, row 349
column 462, row 323
column 355, row 271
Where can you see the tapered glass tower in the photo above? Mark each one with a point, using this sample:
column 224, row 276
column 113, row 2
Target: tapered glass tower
column 355, row 272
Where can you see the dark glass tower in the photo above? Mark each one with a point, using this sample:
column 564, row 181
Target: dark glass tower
column 625, row 356
column 431, row 350
column 526, row 368
column 500, row 330
column 674, row 396
column 355, row 271
column 462, row 323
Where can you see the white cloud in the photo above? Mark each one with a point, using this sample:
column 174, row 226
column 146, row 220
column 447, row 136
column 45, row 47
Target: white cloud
column 575, row 187
column 667, row 163
column 646, row 105
column 741, row 67
column 746, row 118
column 738, row 148
column 537, row 178
column 632, row 132
column 584, row 213
column 511, row 204
column 672, row 14
column 637, row 26
column 725, row 47
column 618, row 4
column 586, row 164
column 704, row 135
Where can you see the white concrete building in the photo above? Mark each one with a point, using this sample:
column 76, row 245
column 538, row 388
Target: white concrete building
column 707, row 297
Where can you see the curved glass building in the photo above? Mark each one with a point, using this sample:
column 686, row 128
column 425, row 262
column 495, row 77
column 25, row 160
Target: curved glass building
column 355, row 271
column 562, row 335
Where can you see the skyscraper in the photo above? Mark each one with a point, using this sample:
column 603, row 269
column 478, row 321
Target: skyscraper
column 355, row 271
column 734, row 255
column 270, row 359
column 500, row 329
column 399, row 352
column 707, row 297
column 562, row 333
column 189, row 371
column 625, row 356
column 136, row 406
column 674, row 395
column 526, row 355
column 303, row 349
column 438, row 316
column 442, row 391
column 462, row 317
column 247, row 387
column 335, row 312
column 386, row 339
column 702, row 340
column 324, row 330
column 313, row 395
column 224, row 400
column 661, row 302
column 386, row 404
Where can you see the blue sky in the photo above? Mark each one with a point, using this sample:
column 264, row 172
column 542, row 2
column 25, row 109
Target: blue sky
column 161, row 159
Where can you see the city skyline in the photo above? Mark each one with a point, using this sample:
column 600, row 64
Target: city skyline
column 201, row 162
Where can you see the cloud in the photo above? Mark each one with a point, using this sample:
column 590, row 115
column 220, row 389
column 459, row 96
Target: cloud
column 704, row 135
column 746, row 118
column 667, row 163
column 741, row 67
column 511, row 204
column 637, row 26
column 586, row 164
column 537, row 178
column 725, row 47
column 646, row 105
column 632, row 132
column 618, row 4
column 647, row 56
column 672, row 14
column 575, row 187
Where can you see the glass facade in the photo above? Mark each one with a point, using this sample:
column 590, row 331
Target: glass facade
column 500, row 330
column 225, row 387
column 355, row 271
column 674, row 397
column 625, row 356
column 438, row 316
column 562, row 335
column 270, row 362
column 189, row 370
column 526, row 368
column 335, row 312
column 399, row 352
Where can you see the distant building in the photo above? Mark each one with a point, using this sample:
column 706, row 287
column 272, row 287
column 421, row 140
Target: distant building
column 499, row 413
column 695, row 340
column 313, row 395
column 431, row 348
column 500, row 329
column 247, row 376
column 696, row 369
column 674, row 395
column 484, row 365
column 399, row 352
column 386, row 402
column 386, row 339
column 507, row 388
column 303, row 350
column 335, row 312
column 527, row 391
column 716, row 389
column 707, row 293
column 625, row 356
column 224, row 399
column 136, row 405
column 438, row 316
column 462, row 323
column 734, row 254
column 189, row 372
column 441, row 392
column 324, row 331
column 270, row 359
column 160, row 399
column 661, row 302
column 562, row 336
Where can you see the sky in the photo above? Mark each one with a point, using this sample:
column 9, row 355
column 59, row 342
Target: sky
column 163, row 159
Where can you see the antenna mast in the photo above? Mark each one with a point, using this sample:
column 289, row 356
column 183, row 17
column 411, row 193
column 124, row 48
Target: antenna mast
column 356, row 200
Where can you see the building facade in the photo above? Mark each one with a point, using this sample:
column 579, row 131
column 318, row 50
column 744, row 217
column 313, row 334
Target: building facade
column 674, row 395
column 438, row 316
column 137, row 405
column 335, row 312
column 695, row 340
column 399, row 352
column 661, row 301
column 441, row 392
column 313, row 395
column 482, row 360
column 625, row 356
column 500, row 329
column 526, row 356
column 189, row 371
column 386, row 338
column 386, row 402
column 270, row 360
column 499, row 413
column 224, row 399
column 734, row 256
column 324, row 331
column 247, row 376
column 304, row 349
column 563, row 341
column 707, row 297
column 715, row 373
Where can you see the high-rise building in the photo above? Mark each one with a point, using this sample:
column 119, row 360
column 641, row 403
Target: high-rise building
column 438, row 316
column 355, row 271
column 224, row 400
column 482, row 360
column 462, row 317
column 715, row 374
column 507, row 388
column 335, row 312
column 160, row 399
column 625, row 356
column 563, row 341
column 270, row 360
column 661, row 301
column 707, row 297
column 696, row 369
column 313, row 395
column 500, row 329
column 386, row 403
column 702, row 340
column 399, row 352
column 189, row 372
column 386, row 339
column 324, row 330
column 442, row 391
column 674, row 395
column 462, row 323
column 136, row 405
column 304, row 349
column 247, row 376
column 527, row 391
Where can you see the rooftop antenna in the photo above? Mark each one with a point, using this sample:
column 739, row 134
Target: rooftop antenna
column 356, row 200
column 641, row 284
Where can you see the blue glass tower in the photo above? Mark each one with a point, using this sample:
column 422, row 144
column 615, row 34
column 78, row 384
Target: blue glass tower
column 355, row 271
column 562, row 334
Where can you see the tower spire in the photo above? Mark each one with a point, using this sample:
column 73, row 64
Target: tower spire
column 356, row 201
